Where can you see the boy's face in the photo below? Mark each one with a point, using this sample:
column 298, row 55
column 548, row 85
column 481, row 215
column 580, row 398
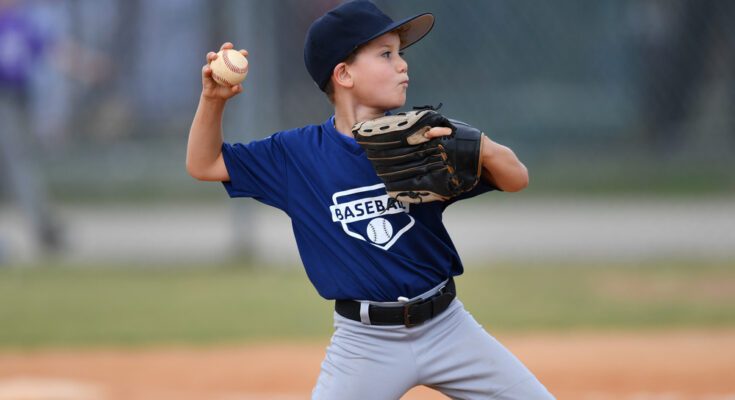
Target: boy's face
column 380, row 74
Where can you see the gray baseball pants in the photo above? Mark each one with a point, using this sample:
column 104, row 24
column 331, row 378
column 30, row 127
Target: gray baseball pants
column 451, row 353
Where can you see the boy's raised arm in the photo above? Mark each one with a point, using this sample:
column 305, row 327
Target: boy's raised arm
column 204, row 150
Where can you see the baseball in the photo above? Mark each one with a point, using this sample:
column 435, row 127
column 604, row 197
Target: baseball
column 379, row 230
column 229, row 68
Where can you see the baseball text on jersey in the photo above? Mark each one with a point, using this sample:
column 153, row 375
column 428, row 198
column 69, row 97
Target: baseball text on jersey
column 366, row 208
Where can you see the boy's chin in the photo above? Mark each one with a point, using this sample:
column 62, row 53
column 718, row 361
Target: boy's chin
column 392, row 105
column 387, row 102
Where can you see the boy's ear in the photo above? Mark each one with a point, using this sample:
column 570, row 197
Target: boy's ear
column 342, row 76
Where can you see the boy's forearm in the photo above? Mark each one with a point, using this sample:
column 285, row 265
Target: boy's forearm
column 204, row 160
column 502, row 168
column 205, row 138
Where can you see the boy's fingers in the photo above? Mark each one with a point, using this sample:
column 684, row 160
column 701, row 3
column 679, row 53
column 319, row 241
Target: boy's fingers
column 437, row 132
column 211, row 56
column 206, row 70
column 226, row 45
column 244, row 52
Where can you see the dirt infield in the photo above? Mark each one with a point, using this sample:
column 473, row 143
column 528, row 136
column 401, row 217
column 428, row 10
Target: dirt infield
column 650, row 365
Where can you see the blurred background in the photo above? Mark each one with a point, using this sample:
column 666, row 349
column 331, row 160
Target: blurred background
column 611, row 99
column 623, row 111
column 603, row 101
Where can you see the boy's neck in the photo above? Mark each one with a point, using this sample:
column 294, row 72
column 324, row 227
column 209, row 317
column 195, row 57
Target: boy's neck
column 346, row 116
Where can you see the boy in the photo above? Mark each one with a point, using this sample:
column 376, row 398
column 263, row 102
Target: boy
column 388, row 266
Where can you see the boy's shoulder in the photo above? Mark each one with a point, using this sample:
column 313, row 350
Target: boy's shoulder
column 299, row 134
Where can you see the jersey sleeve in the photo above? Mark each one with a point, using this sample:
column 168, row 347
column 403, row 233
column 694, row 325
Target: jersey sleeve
column 481, row 187
column 257, row 170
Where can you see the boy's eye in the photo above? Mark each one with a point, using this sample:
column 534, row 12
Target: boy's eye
column 387, row 54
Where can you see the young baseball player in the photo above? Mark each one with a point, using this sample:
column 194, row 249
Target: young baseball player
column 388, row 265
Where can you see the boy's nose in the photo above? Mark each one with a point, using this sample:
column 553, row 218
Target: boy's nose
column 402, row 66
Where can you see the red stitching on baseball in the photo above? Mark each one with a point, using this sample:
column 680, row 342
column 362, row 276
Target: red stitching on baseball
column 221, row 80
column 232, row 66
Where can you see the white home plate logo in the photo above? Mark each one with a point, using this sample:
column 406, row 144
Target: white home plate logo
column 379, row 230
column 366, row 213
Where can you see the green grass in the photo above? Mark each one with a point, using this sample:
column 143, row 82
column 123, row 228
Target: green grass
column 50, row 306
column 657, row 296
column 58, row 306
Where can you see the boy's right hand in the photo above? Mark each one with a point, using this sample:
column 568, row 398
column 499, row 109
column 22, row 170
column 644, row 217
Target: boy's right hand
column 210, row 88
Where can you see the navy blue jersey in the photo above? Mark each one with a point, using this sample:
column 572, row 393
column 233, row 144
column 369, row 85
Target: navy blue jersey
column 353, row 242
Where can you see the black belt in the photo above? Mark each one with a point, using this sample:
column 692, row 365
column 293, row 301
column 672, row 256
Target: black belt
column 409, row 314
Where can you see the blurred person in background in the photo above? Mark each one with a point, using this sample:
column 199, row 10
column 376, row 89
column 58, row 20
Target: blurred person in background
column 44, row 73
column 20, row 45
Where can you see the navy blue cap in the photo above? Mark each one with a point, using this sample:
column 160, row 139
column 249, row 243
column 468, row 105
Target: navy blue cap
column 333, row 36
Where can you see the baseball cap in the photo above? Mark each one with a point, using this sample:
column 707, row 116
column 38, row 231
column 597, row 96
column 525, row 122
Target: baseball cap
column 333, row 36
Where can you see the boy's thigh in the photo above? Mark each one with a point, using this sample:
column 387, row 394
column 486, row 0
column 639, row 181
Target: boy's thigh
column 526, row 389
column 359, row 366
column 463, row 361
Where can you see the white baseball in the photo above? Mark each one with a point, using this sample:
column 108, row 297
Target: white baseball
column 229, row 68
column 379, row 230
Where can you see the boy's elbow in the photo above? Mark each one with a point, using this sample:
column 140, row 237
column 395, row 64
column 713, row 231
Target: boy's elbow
column 517, row 186
column 215, row 171
column 519, row 182
column 194, row 171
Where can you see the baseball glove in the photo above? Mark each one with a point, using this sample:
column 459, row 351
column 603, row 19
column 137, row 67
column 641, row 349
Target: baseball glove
column 416, row 169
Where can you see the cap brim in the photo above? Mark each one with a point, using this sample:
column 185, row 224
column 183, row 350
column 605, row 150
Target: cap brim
column 410, row 30
column 414, row 29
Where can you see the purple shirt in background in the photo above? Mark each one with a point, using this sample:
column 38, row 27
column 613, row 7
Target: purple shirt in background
column 20, row 43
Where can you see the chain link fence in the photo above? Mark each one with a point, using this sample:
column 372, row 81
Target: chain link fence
column 111, row 95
